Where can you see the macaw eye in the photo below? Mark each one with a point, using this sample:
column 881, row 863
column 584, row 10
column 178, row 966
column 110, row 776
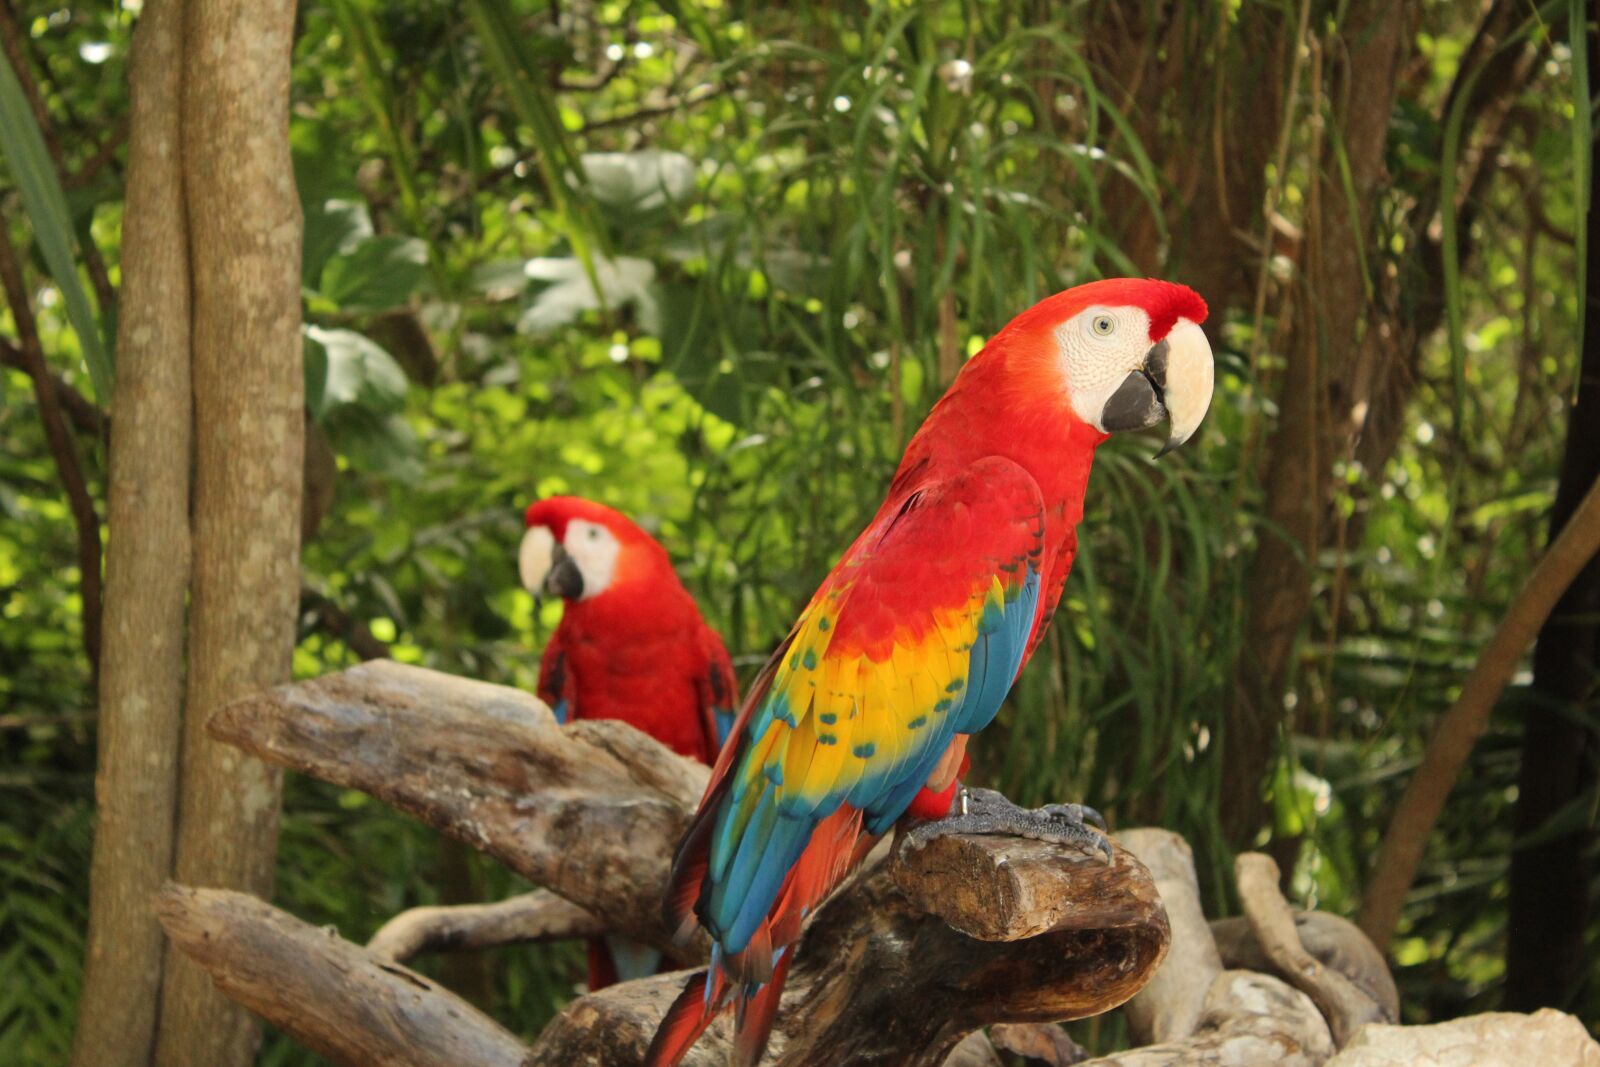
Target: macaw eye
column 1103, row 325
column 594, row 533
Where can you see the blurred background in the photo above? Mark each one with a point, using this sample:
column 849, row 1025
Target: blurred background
column 711, row 262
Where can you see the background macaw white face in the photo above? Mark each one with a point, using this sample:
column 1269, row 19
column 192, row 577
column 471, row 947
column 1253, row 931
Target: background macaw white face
column 1102, row 346
column 588, row 554
column 594, row 549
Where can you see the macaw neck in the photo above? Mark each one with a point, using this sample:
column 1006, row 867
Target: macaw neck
column 642, row 603
column 992, row 409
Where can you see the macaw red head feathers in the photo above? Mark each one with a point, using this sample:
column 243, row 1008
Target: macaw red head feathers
column 578, row 549
column 1125, row 353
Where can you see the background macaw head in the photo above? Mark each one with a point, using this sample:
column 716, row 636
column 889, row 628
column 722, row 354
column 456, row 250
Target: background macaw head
column 1131, row 351
column 577, row 549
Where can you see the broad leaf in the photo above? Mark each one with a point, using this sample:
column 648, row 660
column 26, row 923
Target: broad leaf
column 376, row 274
column 23, row 147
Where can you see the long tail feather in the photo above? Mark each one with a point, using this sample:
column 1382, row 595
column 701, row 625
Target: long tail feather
column 756, row 1015
column 687, row 1019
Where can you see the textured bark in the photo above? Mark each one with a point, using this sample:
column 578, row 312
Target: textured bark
column 1548, row 918
column 1418, row 811
column 337, row 999
column 244, row 232
column 147, row 571
column 485, row 764
column 917, row 952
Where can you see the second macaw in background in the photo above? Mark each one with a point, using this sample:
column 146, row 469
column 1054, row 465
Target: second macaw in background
column 915, row 637
column 631, row 646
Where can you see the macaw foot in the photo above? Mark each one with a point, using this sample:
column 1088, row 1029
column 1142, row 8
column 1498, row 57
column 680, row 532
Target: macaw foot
column 984, row 811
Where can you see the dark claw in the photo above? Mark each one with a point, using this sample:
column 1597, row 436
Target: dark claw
column 984, row 811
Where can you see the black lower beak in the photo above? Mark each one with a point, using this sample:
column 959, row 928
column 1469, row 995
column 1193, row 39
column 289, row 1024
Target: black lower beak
column 564, row 579
column 1140, row 400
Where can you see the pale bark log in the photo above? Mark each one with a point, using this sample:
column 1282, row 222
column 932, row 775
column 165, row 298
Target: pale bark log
column 531, row 917
column 337, row 999
column 1168, row 1008
column 244, row 232
column 1341, row 1002
column 147, row 571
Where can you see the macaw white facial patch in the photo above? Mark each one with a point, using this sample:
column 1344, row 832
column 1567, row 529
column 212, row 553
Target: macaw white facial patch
column 1100, row 347
column 534, row 556
column 594, row 549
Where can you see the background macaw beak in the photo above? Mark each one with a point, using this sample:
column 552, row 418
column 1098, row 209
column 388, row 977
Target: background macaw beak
column 546, row 568
column 1174, row 383
column 564, row 579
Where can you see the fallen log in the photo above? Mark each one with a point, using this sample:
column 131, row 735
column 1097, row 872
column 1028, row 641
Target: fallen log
column 335, row 998
column 908, row 959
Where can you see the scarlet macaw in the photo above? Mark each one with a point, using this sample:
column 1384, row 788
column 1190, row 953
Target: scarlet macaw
column 631, row 645
column 915, row 637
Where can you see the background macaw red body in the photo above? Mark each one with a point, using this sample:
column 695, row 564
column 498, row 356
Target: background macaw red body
column 645, row 658
column 639, row 652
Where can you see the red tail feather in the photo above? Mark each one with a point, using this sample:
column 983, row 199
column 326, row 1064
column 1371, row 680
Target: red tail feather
column 756, row 1016
column 687, row 1019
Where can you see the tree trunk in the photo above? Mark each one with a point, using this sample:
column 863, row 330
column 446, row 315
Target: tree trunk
column 1331, row 319
column 147, row 571
column 245, row 228
column 1549, row 906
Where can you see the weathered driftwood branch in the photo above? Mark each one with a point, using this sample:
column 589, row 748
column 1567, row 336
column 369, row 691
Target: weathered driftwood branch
column 1337, row 943
column 1169, row 1006
column 1346, row 1007
column 904, row 963
column 530, row 917
column 335, row 998
column 900, row 966
column 591, row 812
column 1199, row 1013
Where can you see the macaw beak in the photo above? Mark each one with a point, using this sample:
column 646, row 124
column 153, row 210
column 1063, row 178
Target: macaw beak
column 1174, row 384
column 546, row 568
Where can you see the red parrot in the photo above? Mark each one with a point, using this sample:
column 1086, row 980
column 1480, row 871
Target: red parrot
column 913, row 640
column 631, row 645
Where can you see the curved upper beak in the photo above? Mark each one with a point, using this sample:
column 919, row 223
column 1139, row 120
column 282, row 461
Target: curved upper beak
column 1174, row 384
column 546, row 568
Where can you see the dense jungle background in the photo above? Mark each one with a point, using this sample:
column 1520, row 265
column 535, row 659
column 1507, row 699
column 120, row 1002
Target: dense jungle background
column 711, row 261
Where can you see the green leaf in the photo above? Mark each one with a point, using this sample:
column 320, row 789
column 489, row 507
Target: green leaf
column 22, row 145
column 332, row 227
column 356, row 371
column 375, row 275
column 638, row 181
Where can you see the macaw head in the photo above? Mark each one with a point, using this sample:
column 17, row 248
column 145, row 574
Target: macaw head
column 1129, row 351
column 577, row 549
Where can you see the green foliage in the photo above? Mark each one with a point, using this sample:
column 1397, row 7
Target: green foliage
column 23, row 149
column 705, row 261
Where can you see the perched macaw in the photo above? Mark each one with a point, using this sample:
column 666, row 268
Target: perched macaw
column 631, row 645
column 915, row 637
